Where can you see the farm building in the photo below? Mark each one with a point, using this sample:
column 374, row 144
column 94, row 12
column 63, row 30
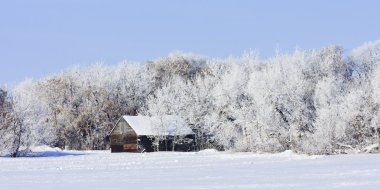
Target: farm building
column 148, row 134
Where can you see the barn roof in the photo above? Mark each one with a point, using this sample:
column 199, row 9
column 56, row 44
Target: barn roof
column 162, row 125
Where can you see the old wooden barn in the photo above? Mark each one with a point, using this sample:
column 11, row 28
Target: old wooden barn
column 148, row 134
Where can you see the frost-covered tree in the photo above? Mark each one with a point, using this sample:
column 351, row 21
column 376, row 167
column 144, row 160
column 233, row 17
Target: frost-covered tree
column 365, row 59
column 186, row 66
column 169, row 100
column 32, row 114
column 376, row 98
column 317, row 102
column 13, row 131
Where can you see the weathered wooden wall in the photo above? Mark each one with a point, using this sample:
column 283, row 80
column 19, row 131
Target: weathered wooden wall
column 123, row 138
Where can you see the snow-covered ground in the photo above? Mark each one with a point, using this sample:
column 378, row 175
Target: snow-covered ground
column 205, row 169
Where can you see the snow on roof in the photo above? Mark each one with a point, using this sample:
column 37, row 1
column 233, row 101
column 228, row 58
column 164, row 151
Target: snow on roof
column 158, row 125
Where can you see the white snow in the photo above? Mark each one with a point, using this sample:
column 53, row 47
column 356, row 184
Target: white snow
column 371, row 148
column 145, row 125
column 205, row 169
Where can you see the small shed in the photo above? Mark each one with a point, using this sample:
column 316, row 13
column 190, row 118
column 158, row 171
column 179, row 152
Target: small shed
column 148, row 134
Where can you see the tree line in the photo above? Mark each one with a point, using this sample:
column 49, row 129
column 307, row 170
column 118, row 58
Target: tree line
column 308, row 101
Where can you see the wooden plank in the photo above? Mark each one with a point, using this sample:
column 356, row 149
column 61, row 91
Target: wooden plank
column 116, row 139
column 130, row 147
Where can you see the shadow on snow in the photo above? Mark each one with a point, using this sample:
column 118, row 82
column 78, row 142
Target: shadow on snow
column 46, row 154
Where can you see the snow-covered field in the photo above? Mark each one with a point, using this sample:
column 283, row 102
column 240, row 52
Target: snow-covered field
column 205, row 169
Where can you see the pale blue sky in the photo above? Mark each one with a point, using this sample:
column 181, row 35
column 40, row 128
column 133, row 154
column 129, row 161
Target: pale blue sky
column 41, row 37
